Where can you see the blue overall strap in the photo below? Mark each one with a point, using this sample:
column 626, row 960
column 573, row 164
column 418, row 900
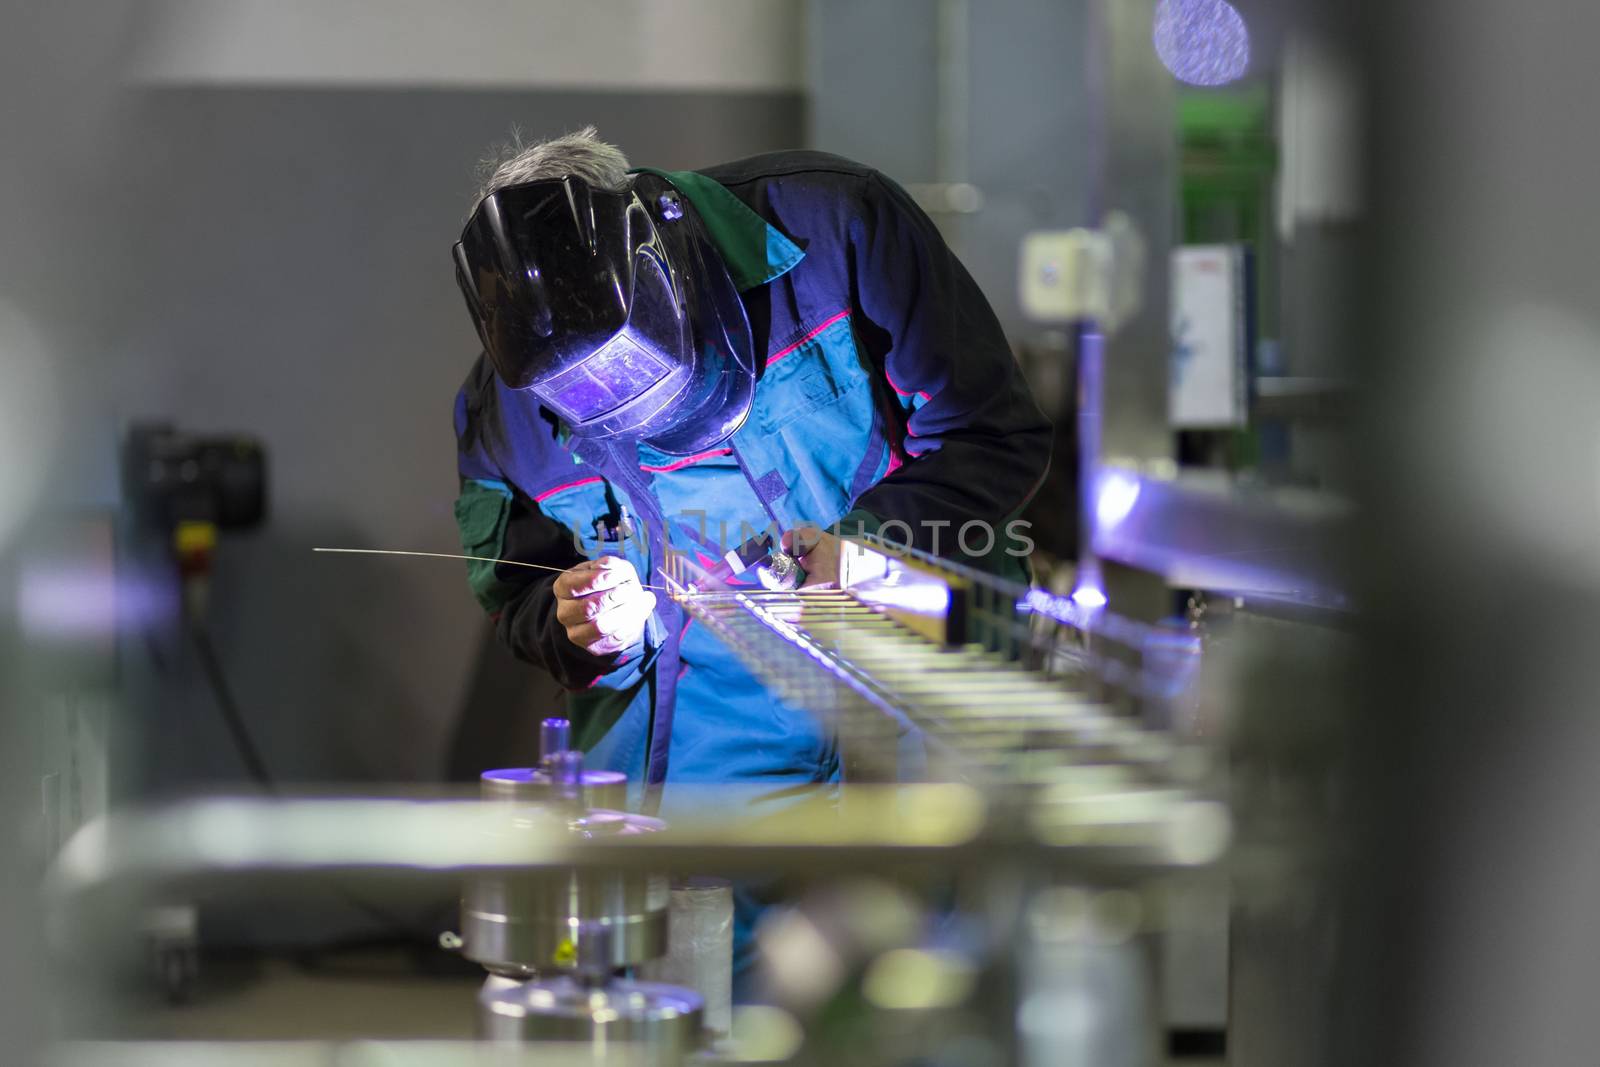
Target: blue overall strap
column 810, row 287
column 663, row 679
column 622, row 470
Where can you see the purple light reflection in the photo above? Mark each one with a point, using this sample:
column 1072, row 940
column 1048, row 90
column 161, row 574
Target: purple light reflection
column 64, row 602
column 1202, row 42
column 60, row 602
column 907, row 592
column 1115, row 494
column 1079, row 609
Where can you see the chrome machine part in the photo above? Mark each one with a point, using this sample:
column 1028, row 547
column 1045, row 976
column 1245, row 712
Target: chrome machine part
column 566, row 781
column 700, row 948
column 555, row 735
column 601, row 789
column 592, row 922
column 529, row 785
column 662, row 1022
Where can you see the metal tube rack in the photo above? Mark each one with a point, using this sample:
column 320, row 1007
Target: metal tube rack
column 986, row 701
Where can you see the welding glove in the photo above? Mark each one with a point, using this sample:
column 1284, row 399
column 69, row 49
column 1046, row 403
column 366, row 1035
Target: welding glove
column 603, row 605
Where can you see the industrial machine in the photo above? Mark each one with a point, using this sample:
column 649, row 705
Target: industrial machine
column 931, row 670
column 1015, row 801
column 554, row 942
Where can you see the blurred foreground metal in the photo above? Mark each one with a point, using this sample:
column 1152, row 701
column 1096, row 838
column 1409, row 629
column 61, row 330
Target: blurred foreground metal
column 904, row 828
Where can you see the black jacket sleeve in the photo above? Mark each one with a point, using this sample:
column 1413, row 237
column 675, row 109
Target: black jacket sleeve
column 527, row 622
column 978, row 445
column 498, row 521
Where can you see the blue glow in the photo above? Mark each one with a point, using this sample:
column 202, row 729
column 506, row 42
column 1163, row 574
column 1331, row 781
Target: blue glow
column 1202, row 42
column 1064, row 609
column 1115, row 496
column 1043, row 602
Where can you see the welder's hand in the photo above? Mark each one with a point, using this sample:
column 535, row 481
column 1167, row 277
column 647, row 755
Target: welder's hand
column 818, row 552
column 603, row 605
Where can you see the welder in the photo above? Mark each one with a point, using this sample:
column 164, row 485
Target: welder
column 674, row 359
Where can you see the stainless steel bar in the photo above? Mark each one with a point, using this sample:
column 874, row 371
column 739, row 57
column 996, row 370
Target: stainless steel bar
column 877, row 827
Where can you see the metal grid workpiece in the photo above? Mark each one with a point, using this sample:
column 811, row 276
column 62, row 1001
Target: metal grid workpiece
column 997, row 689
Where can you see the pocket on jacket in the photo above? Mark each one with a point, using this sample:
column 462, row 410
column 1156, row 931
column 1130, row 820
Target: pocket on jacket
column 482, row 511
column 815, row 372
column 481, row 517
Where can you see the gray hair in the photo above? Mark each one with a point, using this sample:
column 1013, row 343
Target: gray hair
column 580, row 154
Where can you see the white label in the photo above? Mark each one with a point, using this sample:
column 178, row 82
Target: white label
column 1208, row 380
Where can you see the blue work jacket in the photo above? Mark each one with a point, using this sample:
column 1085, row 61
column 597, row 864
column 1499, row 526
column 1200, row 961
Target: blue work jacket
column 887, row 392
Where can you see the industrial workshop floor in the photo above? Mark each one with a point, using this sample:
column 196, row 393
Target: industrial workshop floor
column 371, row 994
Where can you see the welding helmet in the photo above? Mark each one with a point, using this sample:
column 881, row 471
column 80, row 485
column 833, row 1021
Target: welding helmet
column 612, row 308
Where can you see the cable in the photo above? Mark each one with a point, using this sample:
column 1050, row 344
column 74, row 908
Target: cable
column 229, row 709
column 250, row 755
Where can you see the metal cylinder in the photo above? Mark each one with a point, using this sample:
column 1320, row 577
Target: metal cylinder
column 591, row 921
column 496, row 984
column 555, row 735
column 565, row 769
column 700, row 947
column 660, row 1023
column 522, row 784
column 602, row 789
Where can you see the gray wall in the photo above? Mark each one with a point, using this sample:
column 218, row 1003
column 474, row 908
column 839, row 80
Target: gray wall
column 285, row 272
column 1027, row 141
column 874, row 82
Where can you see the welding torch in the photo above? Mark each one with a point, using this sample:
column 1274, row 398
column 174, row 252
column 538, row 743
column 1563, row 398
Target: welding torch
column 775, row 569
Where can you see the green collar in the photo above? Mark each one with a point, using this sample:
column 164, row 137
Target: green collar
column 753, row 248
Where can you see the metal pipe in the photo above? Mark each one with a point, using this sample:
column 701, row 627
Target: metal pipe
column 566, row 777
column 555, row 735
column 885, row 827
